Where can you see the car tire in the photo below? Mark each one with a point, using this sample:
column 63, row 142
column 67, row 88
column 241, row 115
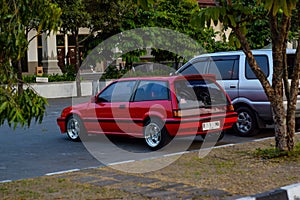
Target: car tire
column 155, row 134
column 246, row 125
column 75, row 128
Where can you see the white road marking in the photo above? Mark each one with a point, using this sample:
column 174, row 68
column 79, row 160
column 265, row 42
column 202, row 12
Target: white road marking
column 175, row 154
column 62, row 172
column 122, row 162
column 5, row 181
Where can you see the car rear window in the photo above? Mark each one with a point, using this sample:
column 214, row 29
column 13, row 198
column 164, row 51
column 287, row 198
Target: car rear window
column 199, row 93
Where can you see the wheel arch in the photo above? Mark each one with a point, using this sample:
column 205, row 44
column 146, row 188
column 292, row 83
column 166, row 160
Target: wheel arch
column 153, row 115
column 75, row 114
column 260, row 123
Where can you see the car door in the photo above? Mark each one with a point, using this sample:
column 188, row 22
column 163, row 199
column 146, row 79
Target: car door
column 152, row 98
column 112, row 107
column 226, row 69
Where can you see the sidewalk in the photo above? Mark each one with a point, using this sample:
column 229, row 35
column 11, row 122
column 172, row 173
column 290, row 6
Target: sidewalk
column 152, row 188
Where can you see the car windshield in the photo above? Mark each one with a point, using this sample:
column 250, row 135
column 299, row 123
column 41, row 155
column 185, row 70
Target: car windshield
column 199, row 93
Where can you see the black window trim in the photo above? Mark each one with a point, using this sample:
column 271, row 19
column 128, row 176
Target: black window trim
column 268, row 72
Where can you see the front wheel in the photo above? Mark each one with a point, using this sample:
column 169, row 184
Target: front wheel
column 155, row 134
column 75, row 128
column 246, row 125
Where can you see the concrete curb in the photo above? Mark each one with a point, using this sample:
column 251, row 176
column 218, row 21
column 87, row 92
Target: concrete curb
column 290, row 192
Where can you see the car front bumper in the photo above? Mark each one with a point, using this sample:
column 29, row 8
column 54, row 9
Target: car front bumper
column 61, row 122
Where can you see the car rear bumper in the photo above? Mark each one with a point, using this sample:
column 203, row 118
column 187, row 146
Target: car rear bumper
column 193, row 126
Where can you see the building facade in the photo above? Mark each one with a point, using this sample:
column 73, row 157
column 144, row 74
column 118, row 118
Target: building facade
column 51, row 51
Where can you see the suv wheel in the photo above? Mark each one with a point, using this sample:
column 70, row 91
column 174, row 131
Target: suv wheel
column 246, row 124
column 155, row 134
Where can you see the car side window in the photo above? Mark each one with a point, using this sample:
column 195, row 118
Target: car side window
column 117, row 92
column 225, row 67
column 152, row 90
column 262, row 61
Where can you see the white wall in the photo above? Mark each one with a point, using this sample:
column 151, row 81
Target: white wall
column 64, row 89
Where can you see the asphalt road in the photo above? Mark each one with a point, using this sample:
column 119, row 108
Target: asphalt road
column 41, row 149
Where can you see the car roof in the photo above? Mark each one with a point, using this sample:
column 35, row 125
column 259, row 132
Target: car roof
column 173, row 78
column 240, row 52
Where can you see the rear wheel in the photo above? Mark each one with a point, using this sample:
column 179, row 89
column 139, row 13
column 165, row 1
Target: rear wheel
column 155, row 134
column 75, row 128
column 246, row 125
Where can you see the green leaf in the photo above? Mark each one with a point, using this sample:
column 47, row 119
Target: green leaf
column 276, row 7
column 268, row 4
column 3, row 106
column 232, row 20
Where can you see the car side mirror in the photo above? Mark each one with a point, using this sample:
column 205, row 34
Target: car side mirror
column 93, row 99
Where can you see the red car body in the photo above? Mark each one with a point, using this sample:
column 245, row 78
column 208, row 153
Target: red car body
column 173, row 104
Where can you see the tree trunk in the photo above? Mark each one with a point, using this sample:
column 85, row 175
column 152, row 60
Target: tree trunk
column 20, row 78
column 284, row 120
column 293, row 92
column 77, row 65
column 277, row 100
column 279, row 37
column 271, row 91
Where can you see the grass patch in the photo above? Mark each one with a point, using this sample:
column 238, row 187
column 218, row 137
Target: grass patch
column 272, row 153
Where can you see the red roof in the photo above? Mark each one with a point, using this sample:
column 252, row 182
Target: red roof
column 206, row 3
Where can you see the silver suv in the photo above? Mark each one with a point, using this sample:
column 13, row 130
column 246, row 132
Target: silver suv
column 247, row 94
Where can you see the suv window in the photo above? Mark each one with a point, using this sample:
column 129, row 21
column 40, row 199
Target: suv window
column 290, row 63
column 152, row 90
column 117, row 92
column 198, row 93
column 225, row 67
column 197, row 67
column 262, row 61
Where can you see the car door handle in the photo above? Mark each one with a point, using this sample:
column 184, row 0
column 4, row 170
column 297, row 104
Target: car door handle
column 232, row 86
column 122, row 106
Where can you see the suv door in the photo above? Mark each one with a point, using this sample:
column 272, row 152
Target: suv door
column 226, row 69
column 251, row 89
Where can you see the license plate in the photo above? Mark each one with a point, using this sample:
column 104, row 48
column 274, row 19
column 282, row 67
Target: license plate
column 210, row 125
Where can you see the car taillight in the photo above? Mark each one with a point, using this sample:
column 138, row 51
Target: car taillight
column 177, row 113
column 230, row 108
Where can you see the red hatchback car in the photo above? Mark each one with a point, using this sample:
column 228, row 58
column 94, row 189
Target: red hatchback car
column 153, row 108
